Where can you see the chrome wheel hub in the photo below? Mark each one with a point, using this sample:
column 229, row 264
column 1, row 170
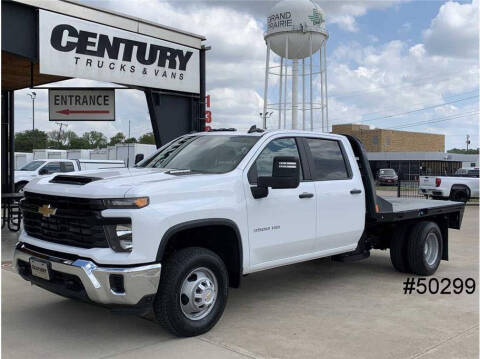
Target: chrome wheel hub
column 430, row 251
column 198, row 293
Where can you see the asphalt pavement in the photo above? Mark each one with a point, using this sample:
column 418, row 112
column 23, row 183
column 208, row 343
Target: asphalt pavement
column 309, row 310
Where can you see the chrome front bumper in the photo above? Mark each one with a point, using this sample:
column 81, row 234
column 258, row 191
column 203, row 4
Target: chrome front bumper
column 138, row 282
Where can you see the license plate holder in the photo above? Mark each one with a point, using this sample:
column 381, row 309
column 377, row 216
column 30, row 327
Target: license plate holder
column 40, row 269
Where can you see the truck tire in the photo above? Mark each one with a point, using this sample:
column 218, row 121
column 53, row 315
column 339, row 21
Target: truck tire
column 425, row 248
column 459, row 195
column 398, row 249
column 192, row 293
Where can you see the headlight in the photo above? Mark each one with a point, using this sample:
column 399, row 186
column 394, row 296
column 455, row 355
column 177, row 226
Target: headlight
column 119, row 237
column 136, row 202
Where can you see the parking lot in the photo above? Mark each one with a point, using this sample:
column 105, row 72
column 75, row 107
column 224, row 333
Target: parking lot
column 315, row 309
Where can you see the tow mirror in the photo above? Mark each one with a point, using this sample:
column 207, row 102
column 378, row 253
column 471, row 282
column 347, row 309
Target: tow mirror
column 139, row 157
column 285, row 174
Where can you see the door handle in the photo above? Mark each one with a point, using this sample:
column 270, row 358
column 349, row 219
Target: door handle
column 305, row 195
column 355, row 191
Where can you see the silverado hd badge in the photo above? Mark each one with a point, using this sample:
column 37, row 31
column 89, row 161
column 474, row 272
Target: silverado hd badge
column 47, row 210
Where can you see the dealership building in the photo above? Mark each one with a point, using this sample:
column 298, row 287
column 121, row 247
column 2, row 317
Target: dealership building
column 49, row 41
column 410, row 154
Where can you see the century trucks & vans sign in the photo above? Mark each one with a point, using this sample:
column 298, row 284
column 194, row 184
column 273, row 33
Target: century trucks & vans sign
column 87, row 104
column 77, row 48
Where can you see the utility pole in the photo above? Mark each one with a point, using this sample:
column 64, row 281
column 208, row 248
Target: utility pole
column 468, row 141
column 33, row 95
column 60, row 130
column 128, row 146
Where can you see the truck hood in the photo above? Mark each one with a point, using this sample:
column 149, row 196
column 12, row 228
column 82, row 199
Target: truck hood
column 107, row 183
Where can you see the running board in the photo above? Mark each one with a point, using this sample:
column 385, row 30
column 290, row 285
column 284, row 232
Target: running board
column 351, row 256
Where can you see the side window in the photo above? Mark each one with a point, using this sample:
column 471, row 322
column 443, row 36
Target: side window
column 264, row 163
column 67, row 167
column 328, row 160
column 52, row 167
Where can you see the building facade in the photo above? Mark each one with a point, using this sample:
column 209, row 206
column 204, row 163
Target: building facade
column 411, row 165
column 380, row 140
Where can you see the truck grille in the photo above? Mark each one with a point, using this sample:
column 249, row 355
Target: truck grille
column 65, row 220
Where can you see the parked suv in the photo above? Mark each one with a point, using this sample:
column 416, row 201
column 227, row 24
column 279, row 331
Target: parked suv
column 387, row 176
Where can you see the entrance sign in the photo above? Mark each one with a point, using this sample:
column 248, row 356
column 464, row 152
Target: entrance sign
column 81, row 105
column 77, row 48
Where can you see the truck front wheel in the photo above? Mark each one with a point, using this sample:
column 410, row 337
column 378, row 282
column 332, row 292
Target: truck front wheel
column 192, row 293
column 424, row 248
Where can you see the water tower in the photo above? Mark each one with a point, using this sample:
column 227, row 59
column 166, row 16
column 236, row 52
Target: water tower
column 296, row 32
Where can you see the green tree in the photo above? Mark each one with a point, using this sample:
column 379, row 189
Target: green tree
column 131, row 140
column 95, row 139
column 118, row 138
column 147, row 138
column 471, row 151
column 79, row 143
column 26, row 141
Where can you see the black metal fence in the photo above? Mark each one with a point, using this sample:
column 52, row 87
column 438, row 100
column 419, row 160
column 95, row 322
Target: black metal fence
column 408, row 189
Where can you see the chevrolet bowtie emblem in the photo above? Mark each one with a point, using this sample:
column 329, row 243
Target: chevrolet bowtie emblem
column 47, row 210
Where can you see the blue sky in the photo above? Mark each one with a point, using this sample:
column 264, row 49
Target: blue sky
column 387, row 61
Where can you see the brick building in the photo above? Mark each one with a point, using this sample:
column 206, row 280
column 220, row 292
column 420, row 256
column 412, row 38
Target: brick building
column 380, row 140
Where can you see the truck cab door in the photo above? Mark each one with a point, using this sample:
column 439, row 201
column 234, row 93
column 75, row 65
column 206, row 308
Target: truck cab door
column 340, row 194
column 281, row 226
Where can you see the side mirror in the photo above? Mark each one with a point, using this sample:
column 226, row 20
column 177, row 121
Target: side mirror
column 43, row 171
column 139, row 157
column 285, row 174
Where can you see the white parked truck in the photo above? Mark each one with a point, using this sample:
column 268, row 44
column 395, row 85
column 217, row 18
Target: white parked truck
column 37, row 168
column 170, row 236
column 461, row 187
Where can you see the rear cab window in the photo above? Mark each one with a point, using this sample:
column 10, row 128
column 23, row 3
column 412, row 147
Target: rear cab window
column 329, row 160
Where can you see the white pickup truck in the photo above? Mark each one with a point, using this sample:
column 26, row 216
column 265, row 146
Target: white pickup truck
column 37, row 168
column 170, row 236
column 459, row 188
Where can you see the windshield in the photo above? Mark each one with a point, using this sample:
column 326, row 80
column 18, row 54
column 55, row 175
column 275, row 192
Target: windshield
column 387, row 172
column 32, row 166
column 205, row 154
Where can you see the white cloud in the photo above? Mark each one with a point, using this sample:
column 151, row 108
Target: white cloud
column 454, row 31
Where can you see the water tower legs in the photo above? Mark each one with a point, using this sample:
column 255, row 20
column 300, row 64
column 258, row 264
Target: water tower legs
column 294, row 94
column 265, row 93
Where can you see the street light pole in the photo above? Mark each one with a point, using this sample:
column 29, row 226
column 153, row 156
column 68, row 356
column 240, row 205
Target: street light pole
column 33, row 95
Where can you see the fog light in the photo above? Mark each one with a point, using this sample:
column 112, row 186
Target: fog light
column 124, row 236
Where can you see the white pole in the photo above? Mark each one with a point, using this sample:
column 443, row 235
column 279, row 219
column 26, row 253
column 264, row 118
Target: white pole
column 286, row 92
column 321, row 88
column 311, row 85
column 265, row 94
column 303, row 94
column 280, row 95
column 294, row 94
column 326, row 91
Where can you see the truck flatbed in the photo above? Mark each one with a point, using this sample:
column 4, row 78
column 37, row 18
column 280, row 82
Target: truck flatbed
column 393, row 209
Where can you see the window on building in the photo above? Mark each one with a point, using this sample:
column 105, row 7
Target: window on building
column 375, row 140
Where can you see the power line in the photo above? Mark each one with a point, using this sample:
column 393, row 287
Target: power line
column 417, row 110
column 414, row 104
column 435, row 120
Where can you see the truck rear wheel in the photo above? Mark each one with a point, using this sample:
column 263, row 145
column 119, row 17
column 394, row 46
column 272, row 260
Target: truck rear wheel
column 459, row 195
column 398, row 249
column 425, row 248
column 192, row 293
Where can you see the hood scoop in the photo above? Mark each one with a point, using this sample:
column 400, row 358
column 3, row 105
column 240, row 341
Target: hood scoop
column 75, row 180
